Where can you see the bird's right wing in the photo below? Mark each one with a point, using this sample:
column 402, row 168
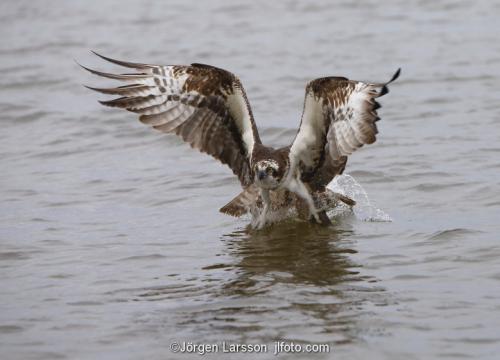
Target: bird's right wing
column 204, row 105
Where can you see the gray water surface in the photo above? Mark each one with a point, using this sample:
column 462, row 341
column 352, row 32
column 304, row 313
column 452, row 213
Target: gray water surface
column 111, row 243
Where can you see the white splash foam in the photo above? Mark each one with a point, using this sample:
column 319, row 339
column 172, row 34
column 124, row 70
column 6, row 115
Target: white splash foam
column 363, row 210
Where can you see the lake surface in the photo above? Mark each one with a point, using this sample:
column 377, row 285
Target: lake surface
column 111, row 243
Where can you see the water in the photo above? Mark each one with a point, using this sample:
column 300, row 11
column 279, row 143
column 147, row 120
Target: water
column 364, row 210
column 111, row 245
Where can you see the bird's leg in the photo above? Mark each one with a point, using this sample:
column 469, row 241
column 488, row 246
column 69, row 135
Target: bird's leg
column 261, row 222
column 298, row 187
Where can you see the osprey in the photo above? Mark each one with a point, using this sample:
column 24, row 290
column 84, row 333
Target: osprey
column 208, row 108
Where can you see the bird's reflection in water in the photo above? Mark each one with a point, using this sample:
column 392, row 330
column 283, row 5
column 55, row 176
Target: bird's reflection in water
column 293, row 281
column 291, row 252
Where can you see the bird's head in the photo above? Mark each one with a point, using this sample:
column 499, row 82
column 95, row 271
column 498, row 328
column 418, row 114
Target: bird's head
column 268, row 173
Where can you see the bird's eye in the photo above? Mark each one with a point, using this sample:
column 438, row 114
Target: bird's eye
column 271, row 171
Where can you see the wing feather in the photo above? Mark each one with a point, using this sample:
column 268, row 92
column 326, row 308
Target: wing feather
column 127, row 90
column 204, row 105
column 339, row 117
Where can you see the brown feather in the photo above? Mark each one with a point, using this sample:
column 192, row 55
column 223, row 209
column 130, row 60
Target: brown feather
column 192, row 102
column 127, row 90
column 348, row 111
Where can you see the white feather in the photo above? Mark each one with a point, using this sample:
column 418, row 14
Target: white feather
column 239, row 111
column 310, row 131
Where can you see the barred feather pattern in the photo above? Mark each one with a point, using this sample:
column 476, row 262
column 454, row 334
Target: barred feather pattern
column 339, row 117
column 204, row 105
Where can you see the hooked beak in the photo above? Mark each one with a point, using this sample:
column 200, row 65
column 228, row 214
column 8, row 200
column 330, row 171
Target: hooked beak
column 261, row 175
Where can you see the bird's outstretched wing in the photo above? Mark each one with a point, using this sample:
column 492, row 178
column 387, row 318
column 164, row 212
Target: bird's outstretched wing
column 204, row 105
column 339, row 117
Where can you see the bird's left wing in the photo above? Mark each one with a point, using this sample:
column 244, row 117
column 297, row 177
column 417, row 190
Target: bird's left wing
column 339, row 117
column 204, row 105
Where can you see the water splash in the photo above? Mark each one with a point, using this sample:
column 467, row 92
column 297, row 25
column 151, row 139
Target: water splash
column 364, row 209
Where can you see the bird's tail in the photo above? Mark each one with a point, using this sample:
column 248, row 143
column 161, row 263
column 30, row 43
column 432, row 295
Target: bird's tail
column 242, row 203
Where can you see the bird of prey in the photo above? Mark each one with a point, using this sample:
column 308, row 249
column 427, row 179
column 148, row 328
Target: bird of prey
column 208, row 108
